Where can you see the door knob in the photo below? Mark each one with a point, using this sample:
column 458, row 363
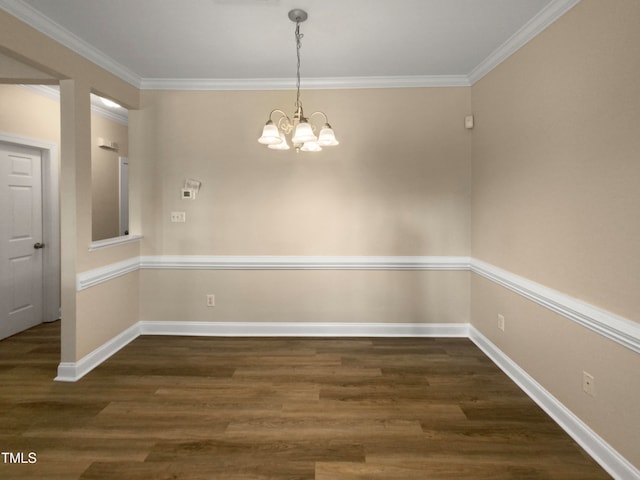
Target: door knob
column 38, row 245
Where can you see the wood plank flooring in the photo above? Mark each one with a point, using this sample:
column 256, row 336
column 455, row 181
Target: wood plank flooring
column 276, row 408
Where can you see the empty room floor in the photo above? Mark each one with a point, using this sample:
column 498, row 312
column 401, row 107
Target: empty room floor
column 276, row 408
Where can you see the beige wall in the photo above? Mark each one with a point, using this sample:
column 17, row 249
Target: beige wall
column 13, row 71
column 555, row 351
column 29, row 114
column 107, row 310
column 305, row 296
column 556, row 168
column 555, row 200
column 397, row 185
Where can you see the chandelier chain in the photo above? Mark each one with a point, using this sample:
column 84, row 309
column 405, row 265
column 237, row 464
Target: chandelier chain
column 298, row 45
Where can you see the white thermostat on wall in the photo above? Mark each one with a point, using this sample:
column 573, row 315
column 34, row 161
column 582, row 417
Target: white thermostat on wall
column 187, row 193
column 190, row 189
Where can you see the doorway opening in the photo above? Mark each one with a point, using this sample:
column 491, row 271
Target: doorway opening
column 30, row 226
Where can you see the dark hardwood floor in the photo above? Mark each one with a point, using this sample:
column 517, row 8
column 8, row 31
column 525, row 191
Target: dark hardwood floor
column 276, row 408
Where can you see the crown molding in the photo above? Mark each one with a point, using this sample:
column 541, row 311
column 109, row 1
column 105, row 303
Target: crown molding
column 49, row 91
column 122, row 119
column 32, row 17
column 531, row 29
column 54, row 94
column 319, row 83
column 43, row 24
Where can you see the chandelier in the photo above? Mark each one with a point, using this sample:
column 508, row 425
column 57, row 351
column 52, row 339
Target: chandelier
column 280, row 124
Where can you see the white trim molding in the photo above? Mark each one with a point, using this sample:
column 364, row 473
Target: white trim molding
column 108, row 272
column 619, row 329
column 103, row 274
column 74, row 371
column 53, row 92
column 614, row 327
column 319, row 83
column 267, row 262
column 608, row 457
column 32, row 17
column 303, row 329
column 112, row 242
column 548, row 15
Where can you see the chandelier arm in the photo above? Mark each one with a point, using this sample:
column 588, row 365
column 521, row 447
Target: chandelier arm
column 326, row 120
column 277, row 110
column 285, row 124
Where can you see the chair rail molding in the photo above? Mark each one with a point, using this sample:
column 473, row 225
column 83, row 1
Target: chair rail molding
column 268, row 262
column 614, row 327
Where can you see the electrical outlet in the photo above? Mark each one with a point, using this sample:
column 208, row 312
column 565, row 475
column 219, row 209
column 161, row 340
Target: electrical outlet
column 501, row 322
column 179, row 217
column 211, row 300
column 588, row 384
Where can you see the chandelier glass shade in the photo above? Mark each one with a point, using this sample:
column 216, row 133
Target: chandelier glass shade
column 304, row 134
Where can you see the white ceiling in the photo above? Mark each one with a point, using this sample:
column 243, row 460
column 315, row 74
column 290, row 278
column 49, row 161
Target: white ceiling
column 251, row 42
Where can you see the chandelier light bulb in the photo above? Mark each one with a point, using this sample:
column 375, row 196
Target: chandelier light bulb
column 311, row 146
column 327, row 138
column 270, row 134
column 303, row 133
column 283, row 145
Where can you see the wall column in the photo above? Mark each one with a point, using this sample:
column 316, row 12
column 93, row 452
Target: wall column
column 75, row 202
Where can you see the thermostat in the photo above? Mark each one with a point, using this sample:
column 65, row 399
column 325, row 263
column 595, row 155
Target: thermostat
column 188, row 193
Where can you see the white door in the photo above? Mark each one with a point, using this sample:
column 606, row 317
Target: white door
column 20, row 238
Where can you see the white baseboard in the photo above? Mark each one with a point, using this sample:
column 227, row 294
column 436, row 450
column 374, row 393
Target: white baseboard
column 289, row 329
column 614, row 463
column 603, row 453
column 74, row 371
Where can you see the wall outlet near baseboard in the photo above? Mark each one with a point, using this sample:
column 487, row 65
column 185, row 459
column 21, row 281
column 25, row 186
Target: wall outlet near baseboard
column 588, row 384
column 211, row 300
column 501, row 322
